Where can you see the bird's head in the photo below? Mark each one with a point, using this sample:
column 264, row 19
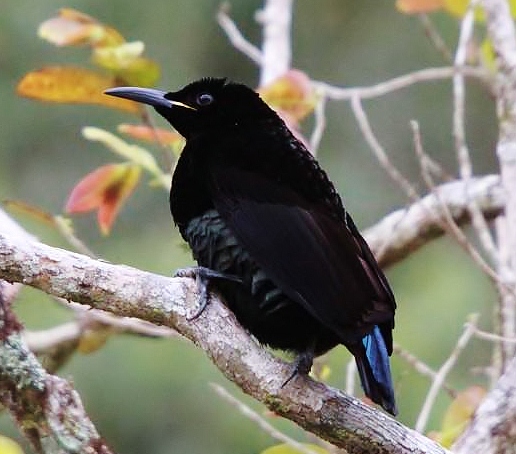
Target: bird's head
column 207, row 104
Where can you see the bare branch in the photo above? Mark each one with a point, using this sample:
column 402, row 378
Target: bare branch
column 421, row 367
column 46, row 407
column 320, row 124
column 443, row 372
column 410, row 228
column 351, row 371
column 9, row 291
column 261, row 422
column 235, row 36
column 501, row 30
column 493, row 429
column 275, row 19
column 406, row 80
column 124, row 291
column 128, row 292
column 91, row 319
column 435, row 37
column 379, row 152
column 492, row 337
column 448, row 222
column 459, row 133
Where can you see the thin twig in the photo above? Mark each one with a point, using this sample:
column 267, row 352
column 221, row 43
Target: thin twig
column 256, row 418
column 351, row 370
column 168, row 157
column 127, row 325
column 379, row 152
column 235, row 37
column 435, row 37
column 397, row 83
column 421, row 367
column 448, row 224
column 459, row 133
column 492, row 337
column 443, row 372
column 71, row 237
column 319, row 126
column 435, row 167
column 383, row 159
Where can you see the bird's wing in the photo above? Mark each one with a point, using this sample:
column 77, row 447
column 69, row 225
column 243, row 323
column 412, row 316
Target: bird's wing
column 313, row 258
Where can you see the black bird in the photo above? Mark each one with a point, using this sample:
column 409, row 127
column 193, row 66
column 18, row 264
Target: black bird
column 270, row 232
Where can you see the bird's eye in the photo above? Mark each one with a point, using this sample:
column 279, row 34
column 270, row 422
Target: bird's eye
column 205, row 99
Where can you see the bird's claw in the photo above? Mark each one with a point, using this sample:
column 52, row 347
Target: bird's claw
column 202, row 276
column 301, row 365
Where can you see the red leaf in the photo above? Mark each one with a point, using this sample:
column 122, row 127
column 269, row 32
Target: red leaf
column 104, row 189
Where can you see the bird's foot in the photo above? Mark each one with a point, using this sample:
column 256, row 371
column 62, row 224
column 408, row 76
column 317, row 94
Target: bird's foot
column 301, row 365
column 202, row 276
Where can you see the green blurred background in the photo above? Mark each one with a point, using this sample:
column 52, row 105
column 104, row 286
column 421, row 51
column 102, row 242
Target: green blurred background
column 153, row 396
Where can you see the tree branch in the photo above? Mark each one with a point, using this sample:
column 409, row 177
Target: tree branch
column 47, row 408
column 404, row 231
column 125, row 291
column 275, row 19
column 493, row 429
column 501, row 30
column 327, row 412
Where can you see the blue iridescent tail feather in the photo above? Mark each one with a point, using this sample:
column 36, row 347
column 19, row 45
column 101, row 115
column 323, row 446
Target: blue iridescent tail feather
column 374, row 371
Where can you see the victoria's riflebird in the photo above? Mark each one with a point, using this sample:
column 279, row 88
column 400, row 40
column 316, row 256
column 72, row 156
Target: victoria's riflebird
column 270, row 233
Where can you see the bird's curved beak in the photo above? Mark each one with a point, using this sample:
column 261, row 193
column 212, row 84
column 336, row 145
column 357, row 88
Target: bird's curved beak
column 150, row 96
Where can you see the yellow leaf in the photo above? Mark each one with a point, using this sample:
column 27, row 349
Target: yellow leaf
column 458, row 415
column 72, row 85
column 418, row 6
column 488, row 55
column 126, row 62
column 8, row 446
column 141, row 72
column 291, row 94
column 73, row 28
column 459, row 7
column 287, row 449
column 94, row 339
column 118, row 56
column 30, row 210
column 134, row 153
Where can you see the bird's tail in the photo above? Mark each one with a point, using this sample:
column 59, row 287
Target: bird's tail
column 374, row 371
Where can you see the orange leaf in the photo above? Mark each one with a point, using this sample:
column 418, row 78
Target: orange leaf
column 72, row 85
column 104, row 189
column 148, row 134
column 291, row 94
column 419, row 6
column 73, row 28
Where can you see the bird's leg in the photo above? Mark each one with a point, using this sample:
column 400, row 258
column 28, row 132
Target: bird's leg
column 302, row 364
column 202, row 276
